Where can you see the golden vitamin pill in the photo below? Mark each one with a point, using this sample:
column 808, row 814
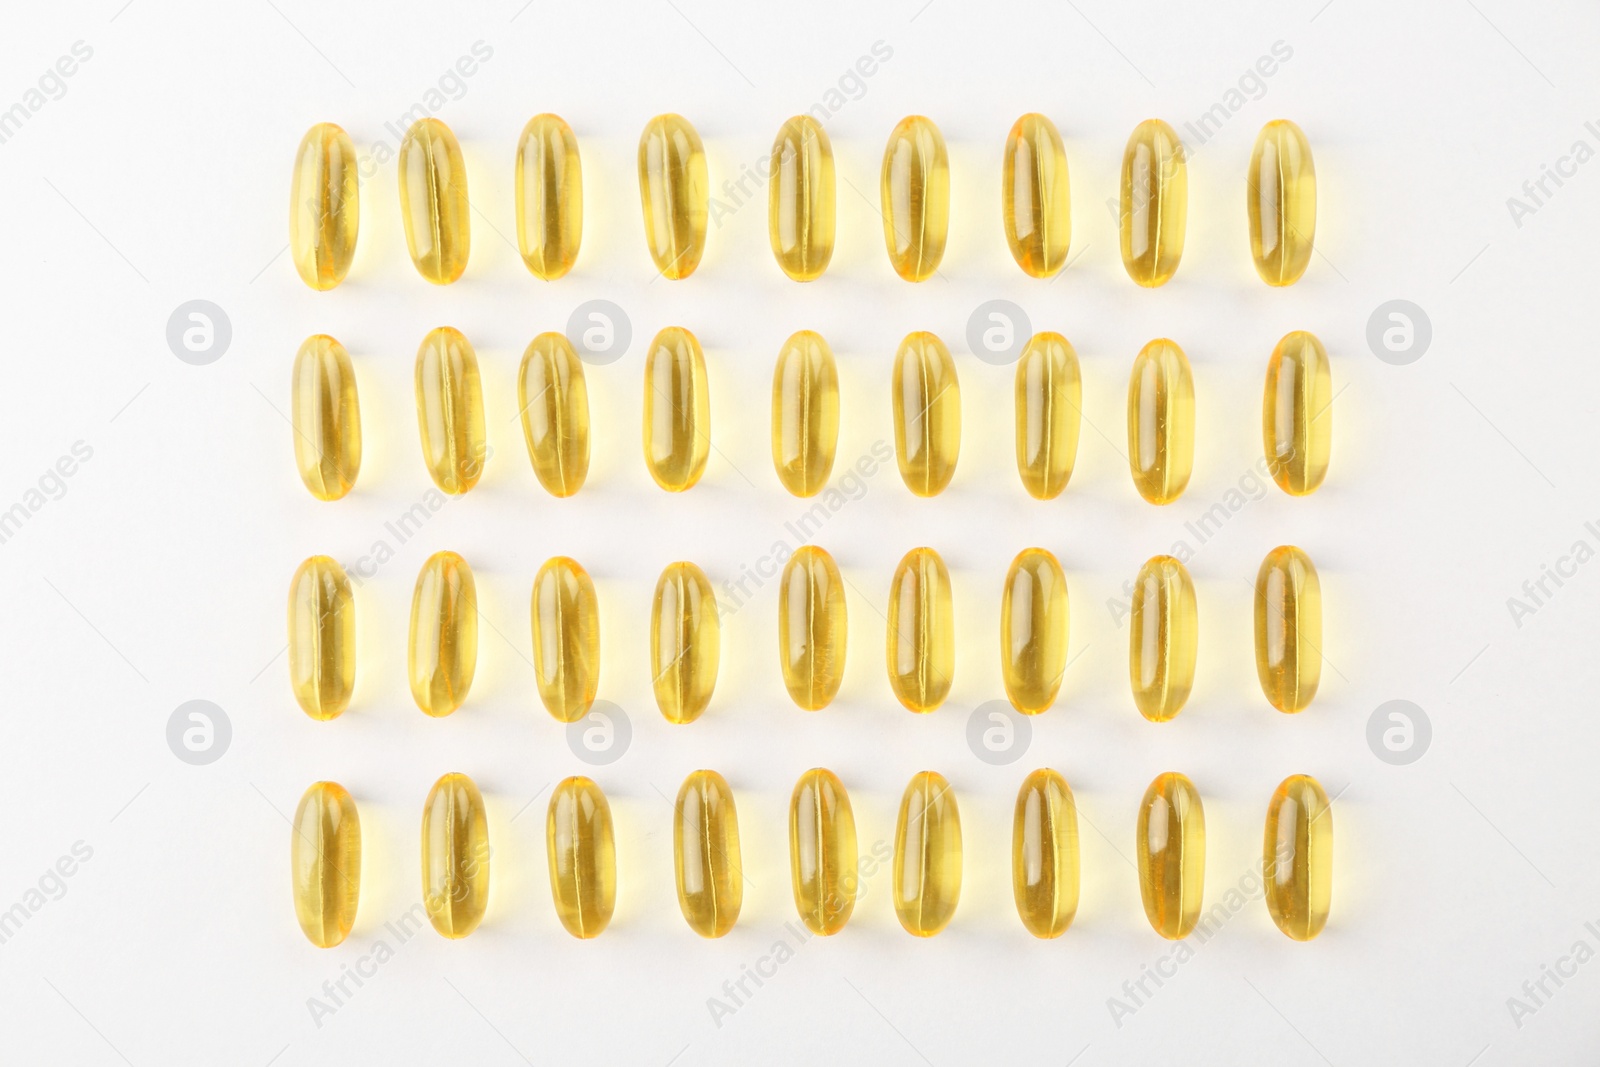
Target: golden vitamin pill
column 549, row 192
column 676, row 194
column 450, row 410
column 326, row 417
column 1171, row 849
column 1281, row 198
column 1297, row 857
column 324, row 206
column 1288, row 628
column 1161, row 422
column 1049, row 402
column 325, row 863
column 922, row 631
column 915, row 192
column 1296, row 423
column 800, row 199
column 583, row 857
column 455, row 856
column 566, row 638
column 1033, row 630
column 822, row 851
column 443, row 650
column 705, row 837
column 322, row 638
column 1155, row 203
column 1034, row 199
column 927, row 855
column 811, row 627
column 685, row 642
column 677, row 412
column 1044, row 854
column 433, row 201
column 554, row 400
column 805, row 413
column 1163, row 637
column 927, row 414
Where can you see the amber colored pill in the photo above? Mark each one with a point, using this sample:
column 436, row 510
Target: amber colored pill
column 324, row 206
column 443, row 651
column 1296, row 415
column 549, row 193
column 1171, row 849
column 927, row 855
column 927, row 414
column 1281, row 199
column 685, row 642
column 325, row 863
column 1161, row 422
column 1035, row 202
column 433, row 201
column 455, row 856
column 450, row 410
column 677, row 410
column 1297, row 857
column 326, row 417
column 566, row 638
column 811, row 627
column 805, row 413
column 822, row 851
column 1288, row 628
column 322, row 638
column 915, row 193
column 921, row 633
column 705, row 837
column 583, row 857
column 1049, row 408
column 800, row 199
column 1044, row 854
column 553, row 397
column 675, row 192
column 1155, row 203
column 1033, row 630
column 1163, row 638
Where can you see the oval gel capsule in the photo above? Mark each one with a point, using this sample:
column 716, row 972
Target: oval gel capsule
column 443, row 651
column 921, row 632
column 1034, row 199
column 822, row 851
column 1171, row 848
column 1164, row 635
column 1044, row 854
column 1161, row 422
column 583, row 857
column 1033, row 630
column 1281, row 198
column 326, row 417
column 675, row 193
column 706, row 844
column 800, row 199
column 322, row 638
column 677, row 414
column 685, row 642
column 915, row 191
column 1049, row 403
column 811, row 627
column 927, row 414
column 324, row 206
column 927, row 855
column 433, row 201
column 1297, row 857
column 1296, row 420
column 455, row 856
column 549, row 191
column 1155, row 203
column 1288, row 628
column 805, row 413
column 566, row 638
column 450, row 410
column 325, row 863
column 553, row 397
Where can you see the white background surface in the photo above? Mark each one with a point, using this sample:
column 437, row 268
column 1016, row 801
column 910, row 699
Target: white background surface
column 161, row 175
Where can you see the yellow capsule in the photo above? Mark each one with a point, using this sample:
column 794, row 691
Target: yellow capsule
column 1034, row 199
column 322, row 638
column 1163, row 637
column 326, row 417
column 1288, row 628
column 800, row 199
column 675, row 192
column 915, row 190
column 1049, row 401
column 927, row 414
column 583, row 857
column 922, row 632
column 1297, row 857
column 677, row 412
column 1161, row 422
column 805, row 413
column 705, row 838
column 1171, row 850
column 566, row 638
column 1155, row 203
column 455, row 856
column 1033, row 630
column 811, row 627
column 325, row 863
column 685, row 642
column 822, row 851
column 1044, row 854
column 1281, row 197
column 1296, row 423
column 553, row 397
column 433, row 201
column 927, row 855
column 324, row 206
column 443, row 650
column 549, row 197
column 450, row 410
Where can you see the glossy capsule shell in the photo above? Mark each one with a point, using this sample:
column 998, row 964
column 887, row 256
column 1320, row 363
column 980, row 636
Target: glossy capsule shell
column 553, row 397
column 326, row 417
column 1033, row 630
column 805, row 413
column 583, row 857
column 811, row 627
column 677, row 410
column 325, row 863
column 1281, row 199
column 822, row 851
column 549, row 192
column 927, row 855
column 1161, row 422
column 1296, row 414
column 927, row 414
column 450, row 410
column 675, row 192
column 1035, row 202
column 1171, row 848
column 1297, row 857
column 566, row 638
column 1049, row 408
column 433, row 201
column 915, row 191
column 443, row 651
column 322, row 638
column 1163, row 638
column 1288, row 628
column 800, row 199
column 1155, row 203
column 685, row 642
column 921, row 633
column 455, row 856
column 1044, row 854
column 324, row 206
column 705, row 835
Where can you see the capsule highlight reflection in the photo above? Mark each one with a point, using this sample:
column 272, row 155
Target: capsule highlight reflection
column 322, row 638
column 685, row 642
column 583, row 857
column 927, row 855
column 915, row 192
column 326, row 416
column 822, row 851
column 1161, row 422
column 1281, row 199
column 1155, row 203
column 442, row 654
column 1033, row 630
column 1296, row 415
column 677, row 414
column 455, row 856
column 1288, row 628
column 705, row 837
column 549, row 192
column 1163, row 638
column 1171, row 849
column 800, row 199
column 566, row 638
column 324, row 206
column 921, row 632
column 1049, row 408
column 1297, row 857
column 1044, row 854
column 450, row 410
column 1035, row 202
column 811, row 627
column 675, row 193
column 553, row 397
column 805, row 413
column 325, row 863
column 433, row 201
column 927, row 414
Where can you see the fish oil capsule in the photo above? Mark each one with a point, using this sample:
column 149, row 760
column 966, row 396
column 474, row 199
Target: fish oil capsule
column 1033, row 630
column 325, row 863
column 443, row 651
column 324, row 206
column 1164, row 635
column 433, row 201
column 549, row 191
column 1044, row 854
column 927, row 414
column 322, row 638
column 915, row 190
column 553, row 397
column 583, row 857
column 822, row 851
column 677, row 413
column 1161, row 422
column 927, row 855
column 1171, row 851
column 675, row 192
column 1049, row 401
column 811, row 627
column 1288, row 628
column 685, row 642
column 455, row 856
column 706, row 843
column 1296, row 423
column 1281, row 198
column 800, row 199
column 450, row 410
column 805, row 413
column 1297, row 857
column 1034, row 199
column 326, row 417
column 921, row 635
column 566, row 638
column 1155, row 203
